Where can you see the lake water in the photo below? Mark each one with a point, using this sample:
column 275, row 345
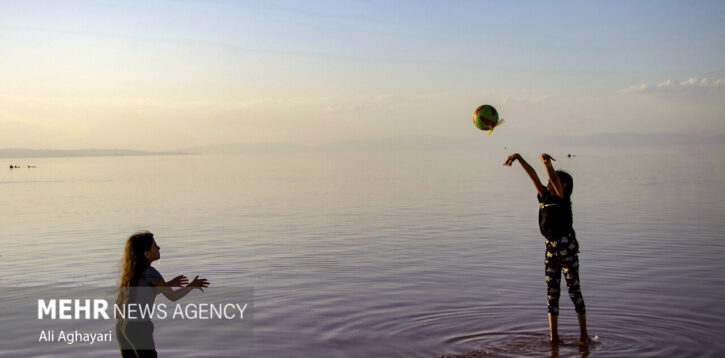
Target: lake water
column 390, row 254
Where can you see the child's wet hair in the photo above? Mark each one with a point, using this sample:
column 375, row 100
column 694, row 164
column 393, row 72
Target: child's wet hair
column 565, row 178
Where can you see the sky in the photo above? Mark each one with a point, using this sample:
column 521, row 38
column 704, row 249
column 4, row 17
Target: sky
column 165, row 75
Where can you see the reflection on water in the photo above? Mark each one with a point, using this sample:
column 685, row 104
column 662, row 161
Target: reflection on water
column 411, row 254
column 527, row 344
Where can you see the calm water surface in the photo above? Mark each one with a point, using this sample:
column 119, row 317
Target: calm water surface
column 394, row 254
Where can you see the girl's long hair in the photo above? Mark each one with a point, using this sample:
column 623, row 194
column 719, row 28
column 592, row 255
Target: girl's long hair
column 133, row 263
column 564, row 177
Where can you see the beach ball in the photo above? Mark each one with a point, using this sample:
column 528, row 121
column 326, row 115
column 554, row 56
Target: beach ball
column 486, row 118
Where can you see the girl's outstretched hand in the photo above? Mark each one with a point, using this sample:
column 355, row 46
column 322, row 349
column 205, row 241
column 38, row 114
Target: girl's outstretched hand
column 511, row 159
column 199, row 283
column 178, row 281
column 546, row 158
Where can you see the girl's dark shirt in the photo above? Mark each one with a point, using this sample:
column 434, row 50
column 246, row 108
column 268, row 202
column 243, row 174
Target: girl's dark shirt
column 555, row 217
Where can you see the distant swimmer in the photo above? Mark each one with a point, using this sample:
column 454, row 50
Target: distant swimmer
column 562, row 247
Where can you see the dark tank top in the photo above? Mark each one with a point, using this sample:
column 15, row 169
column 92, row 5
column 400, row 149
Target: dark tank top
column 555, row 217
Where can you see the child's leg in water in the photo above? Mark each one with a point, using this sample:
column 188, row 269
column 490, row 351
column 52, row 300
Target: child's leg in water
column 552, row 263
column 570, row 266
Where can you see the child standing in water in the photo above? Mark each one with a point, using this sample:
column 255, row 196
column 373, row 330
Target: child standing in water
column 139, row 285
column 555, row 223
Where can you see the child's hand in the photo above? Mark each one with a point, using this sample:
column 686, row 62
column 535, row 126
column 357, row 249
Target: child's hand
column 178, row 281
column 511, row 159
column 546, row 159
column 199, row 283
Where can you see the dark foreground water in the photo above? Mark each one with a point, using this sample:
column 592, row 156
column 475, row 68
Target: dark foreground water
column 407, row 254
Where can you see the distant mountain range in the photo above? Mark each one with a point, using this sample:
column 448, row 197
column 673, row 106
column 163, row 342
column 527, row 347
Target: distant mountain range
column 44, row 153
column 397, row 143
column 471, row 142
column 634, row 139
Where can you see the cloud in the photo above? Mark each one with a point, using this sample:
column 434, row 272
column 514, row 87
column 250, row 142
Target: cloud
column 635, row 88
column 693, row 85
column 525, row 99
column 521, row 97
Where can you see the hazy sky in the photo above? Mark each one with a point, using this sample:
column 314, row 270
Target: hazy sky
column 160, row 75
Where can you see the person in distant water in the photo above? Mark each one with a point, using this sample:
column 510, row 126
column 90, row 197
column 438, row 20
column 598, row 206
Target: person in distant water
column 139, row 284
column 555, row 223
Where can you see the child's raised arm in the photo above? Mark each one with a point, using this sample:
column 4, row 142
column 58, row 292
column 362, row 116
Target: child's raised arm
column 540, row 188
column 178, row 281
column 553, row 177
column 173, row 296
